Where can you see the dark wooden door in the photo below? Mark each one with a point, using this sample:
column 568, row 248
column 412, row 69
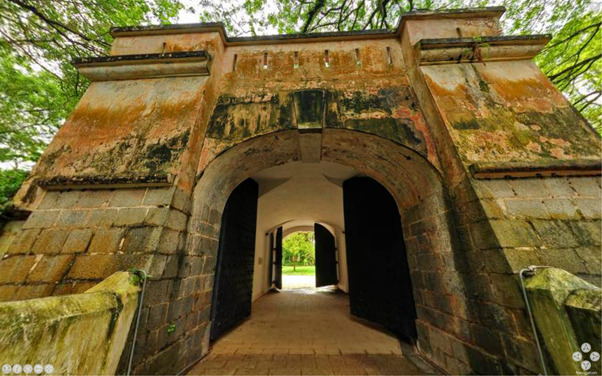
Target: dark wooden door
column 379, row 281
column 326, row 257
column 278, row 259
column 233, row 289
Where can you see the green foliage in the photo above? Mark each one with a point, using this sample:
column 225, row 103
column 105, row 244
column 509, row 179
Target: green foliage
column 299, row 249
column 38, row 85
column 171, row 328
column 10, row 181
column 572, row 60
column 298, row 270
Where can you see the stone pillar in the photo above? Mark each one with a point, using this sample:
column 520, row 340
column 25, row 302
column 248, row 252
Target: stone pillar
column 523, row 171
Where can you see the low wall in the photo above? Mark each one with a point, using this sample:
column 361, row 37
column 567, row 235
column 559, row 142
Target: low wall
column 567, row 313
column 81, row 334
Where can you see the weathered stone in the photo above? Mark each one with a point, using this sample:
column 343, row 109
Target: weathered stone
column 72, row 218
column 50, row 269
column 50, row 241
column 41, row 219
column 77, row 241
column 96, row 266
column 560, row 209
column 127, row 198
column 106, row 240
column 130, row 217
column 526, row 209
column 548, row 292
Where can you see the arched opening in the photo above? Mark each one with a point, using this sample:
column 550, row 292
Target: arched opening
column 394, row 188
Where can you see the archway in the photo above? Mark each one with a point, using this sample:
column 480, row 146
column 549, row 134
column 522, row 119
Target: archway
column 413, row 183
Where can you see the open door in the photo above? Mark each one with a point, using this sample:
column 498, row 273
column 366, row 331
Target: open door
column 271, row 262
column 326, row 257
column 380, row 288
column 278, row 259
column 232, row 294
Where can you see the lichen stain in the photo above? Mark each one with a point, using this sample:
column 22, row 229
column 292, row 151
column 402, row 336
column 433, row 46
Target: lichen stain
column 489, row 127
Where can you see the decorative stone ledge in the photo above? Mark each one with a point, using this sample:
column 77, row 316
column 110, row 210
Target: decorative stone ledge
column 131, row 67
column 501, row 170
column 103, row 182
column 470, row 50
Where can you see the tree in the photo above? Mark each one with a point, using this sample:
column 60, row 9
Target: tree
column 38, row 85
column 298, row 248
column 571, row 60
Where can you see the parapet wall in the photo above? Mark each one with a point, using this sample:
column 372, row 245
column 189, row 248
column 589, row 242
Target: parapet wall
column 81, row 334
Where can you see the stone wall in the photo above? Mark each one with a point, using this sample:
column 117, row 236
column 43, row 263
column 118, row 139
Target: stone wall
column 49, row 330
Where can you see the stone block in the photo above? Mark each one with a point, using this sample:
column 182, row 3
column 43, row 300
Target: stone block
column 587, row 232
column 555, row 234
column 181, row 200
column 15, row 269
column 158, row 196
column 592, row 259
column 72, row 218
column 50, row 241
column 170, row 239
column 23, row 242
column 559, row 187
column 77, row 241
column 526, row 209
column 157, row 316
column 590, row 208
column 530, row 188
column 130, row 217
column 506, row 233
column 136, row 261
column 522, row 258
column 477, row 286
column 522, row 352
column 487, row 339
column 560, row 208
column 566, row 259
column 41, row 219
column 141, row 239
column 493, row 189
column 49, row 200
column 157, row 292
column 94, row 198
column 67, row 200
column 156, row 216
column 586, row 186
column 106, row 240
column 50, row 269
column 481, row 362
column 157, row 268
column 177, row 220
column 506, row 290
column 103, row 217
column 98, row 266
column 171, row 267
column 127, row 197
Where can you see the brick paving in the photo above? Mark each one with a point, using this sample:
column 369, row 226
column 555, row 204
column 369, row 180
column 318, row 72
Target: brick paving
column 305, row 332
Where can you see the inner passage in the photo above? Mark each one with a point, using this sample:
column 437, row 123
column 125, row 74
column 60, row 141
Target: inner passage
column 311, row 264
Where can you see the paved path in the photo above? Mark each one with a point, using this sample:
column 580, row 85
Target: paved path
column 304, row 332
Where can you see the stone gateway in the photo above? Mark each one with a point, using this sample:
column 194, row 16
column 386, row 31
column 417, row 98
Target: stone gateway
column 478, row 165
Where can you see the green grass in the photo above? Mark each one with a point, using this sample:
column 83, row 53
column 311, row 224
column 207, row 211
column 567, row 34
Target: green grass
column 300, row 270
